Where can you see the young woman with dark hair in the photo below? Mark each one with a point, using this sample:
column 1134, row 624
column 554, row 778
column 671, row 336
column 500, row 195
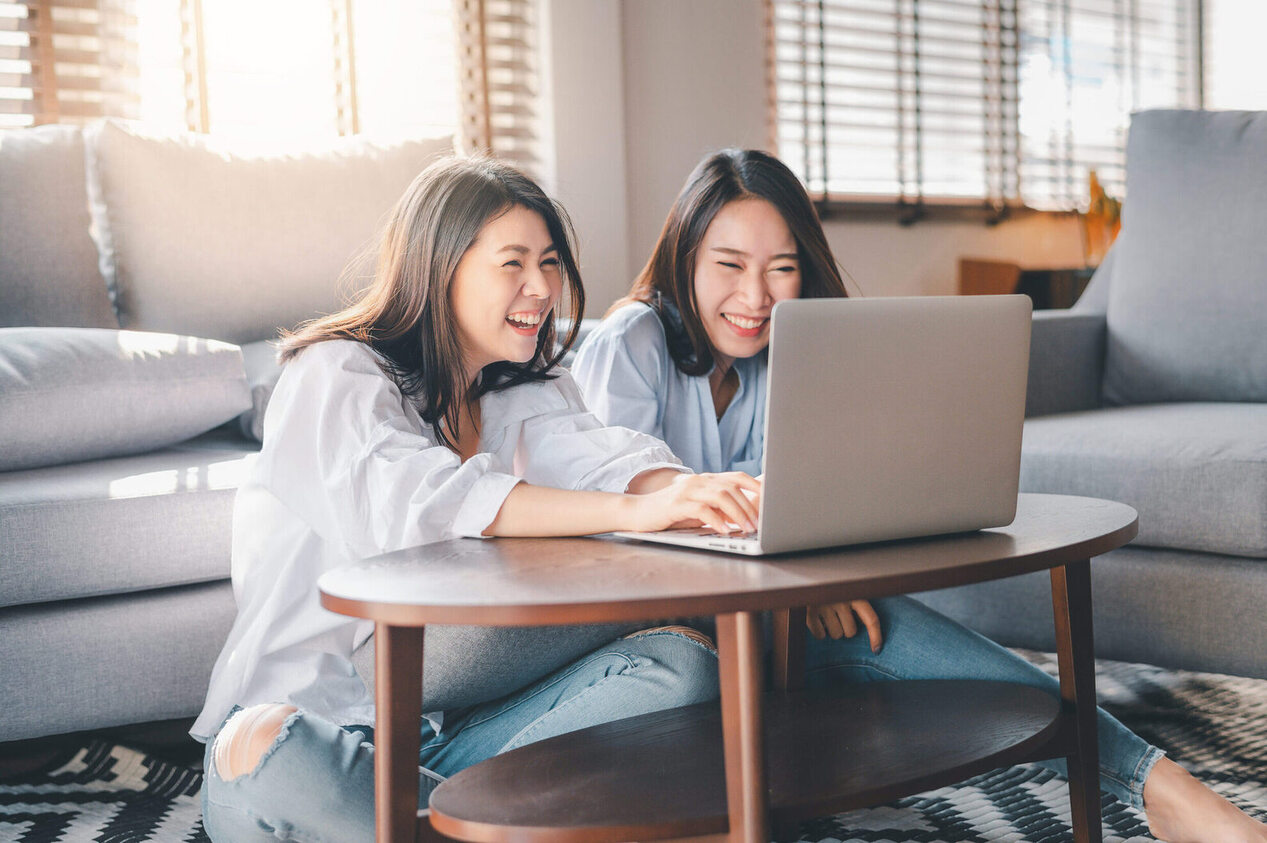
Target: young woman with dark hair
column 683, row 358
column 429, row 409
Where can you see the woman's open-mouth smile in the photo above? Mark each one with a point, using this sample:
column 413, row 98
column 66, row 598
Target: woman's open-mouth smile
column 745, row 326
column 525, row 323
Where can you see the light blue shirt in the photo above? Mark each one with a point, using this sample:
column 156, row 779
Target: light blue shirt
column 629, row 379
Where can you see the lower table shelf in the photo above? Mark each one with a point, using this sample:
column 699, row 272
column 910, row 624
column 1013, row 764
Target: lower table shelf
column 662, row 775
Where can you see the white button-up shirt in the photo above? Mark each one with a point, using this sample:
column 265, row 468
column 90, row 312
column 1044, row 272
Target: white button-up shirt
column 350, row 470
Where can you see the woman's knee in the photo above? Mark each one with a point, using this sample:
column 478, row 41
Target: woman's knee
column 278, row 773
column 246, row 737
column 684, row 659
column 687, row 632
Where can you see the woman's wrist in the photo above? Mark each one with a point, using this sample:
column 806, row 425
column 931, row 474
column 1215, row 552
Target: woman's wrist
column 652, row 480
column 547, row 511
column 625, row 512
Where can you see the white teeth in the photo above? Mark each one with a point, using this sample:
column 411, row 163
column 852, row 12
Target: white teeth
column 526, row 319
column 746, row 324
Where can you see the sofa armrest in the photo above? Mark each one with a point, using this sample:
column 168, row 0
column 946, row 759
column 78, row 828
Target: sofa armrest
column 1066, row 362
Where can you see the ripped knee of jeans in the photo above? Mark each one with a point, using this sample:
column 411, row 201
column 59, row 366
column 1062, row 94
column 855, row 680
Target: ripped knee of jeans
column 247, row 737
column 682, row 631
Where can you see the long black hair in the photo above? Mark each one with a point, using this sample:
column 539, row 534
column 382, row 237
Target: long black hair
column 667, row 282
column 406, row 315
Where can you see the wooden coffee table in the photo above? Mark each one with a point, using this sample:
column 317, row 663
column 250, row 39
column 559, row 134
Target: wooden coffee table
column 769, row 758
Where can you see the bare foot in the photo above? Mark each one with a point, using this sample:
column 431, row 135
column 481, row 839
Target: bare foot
column 1181, row 809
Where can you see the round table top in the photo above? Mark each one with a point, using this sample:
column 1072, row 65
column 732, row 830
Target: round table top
column 526, row 582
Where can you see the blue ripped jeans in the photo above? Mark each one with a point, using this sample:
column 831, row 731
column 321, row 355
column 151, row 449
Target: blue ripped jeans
column 920, row 643
column 317, row 781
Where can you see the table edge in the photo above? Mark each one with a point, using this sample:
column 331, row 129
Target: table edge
column 539, row 614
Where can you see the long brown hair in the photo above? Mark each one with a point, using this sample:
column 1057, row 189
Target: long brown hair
column 667, row 282
column 406, row 315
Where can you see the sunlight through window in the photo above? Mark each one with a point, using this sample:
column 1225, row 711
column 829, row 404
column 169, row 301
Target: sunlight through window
column 274, row 74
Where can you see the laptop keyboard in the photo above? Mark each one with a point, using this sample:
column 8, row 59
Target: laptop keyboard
column 710, row 533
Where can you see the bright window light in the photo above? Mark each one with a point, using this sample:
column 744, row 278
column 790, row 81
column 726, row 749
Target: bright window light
column 271, row 72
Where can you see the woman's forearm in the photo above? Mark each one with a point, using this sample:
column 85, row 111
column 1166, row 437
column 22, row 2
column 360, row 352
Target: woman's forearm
column 655, row 500
column 544, row 511
column 652, row 480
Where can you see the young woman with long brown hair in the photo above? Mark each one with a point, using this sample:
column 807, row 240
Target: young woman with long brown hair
column 431, row 408
column 683, row 358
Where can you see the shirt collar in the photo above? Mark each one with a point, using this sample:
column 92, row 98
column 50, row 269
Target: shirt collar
column 503, row 408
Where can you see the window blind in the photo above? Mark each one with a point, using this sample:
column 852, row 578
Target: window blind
column 66, row 61
column 995, row 103
column 1085, row 66
column 301, row 69
column 501, row 79
column 382, row 67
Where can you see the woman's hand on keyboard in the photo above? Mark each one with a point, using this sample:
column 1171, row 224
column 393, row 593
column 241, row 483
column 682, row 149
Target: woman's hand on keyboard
column 716, row 501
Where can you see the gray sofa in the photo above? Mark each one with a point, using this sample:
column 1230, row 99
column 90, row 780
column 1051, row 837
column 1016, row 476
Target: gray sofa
column 1152, row 390
column 114, row 599
column 119, row 458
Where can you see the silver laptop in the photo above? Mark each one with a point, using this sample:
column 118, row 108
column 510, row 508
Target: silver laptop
column 886, row 418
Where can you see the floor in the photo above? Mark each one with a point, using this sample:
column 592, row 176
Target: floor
column 142, row 783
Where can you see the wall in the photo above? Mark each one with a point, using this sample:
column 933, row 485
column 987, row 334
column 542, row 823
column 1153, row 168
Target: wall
column 585, row 131
column 886, row 259
column 692, row 80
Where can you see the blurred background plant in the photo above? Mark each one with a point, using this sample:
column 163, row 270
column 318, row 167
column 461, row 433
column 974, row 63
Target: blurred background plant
column 1100, row 223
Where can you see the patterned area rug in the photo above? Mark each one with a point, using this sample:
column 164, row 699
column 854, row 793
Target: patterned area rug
column 1216, row 726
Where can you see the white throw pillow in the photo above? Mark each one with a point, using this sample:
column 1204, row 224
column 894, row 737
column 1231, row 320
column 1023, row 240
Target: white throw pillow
column 74, row 394
column 48, row 262
column 203, row 240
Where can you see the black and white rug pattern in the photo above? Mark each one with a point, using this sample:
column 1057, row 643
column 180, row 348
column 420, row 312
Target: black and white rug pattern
column 1216, row 726
column 105, row 793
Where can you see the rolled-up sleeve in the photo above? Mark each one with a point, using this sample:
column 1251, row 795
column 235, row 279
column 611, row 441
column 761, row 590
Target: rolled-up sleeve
column 571, row 449
column 343, row 453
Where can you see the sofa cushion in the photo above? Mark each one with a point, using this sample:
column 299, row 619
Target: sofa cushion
column 1174, row 608
column 1197, row 473
column 120, row 525
column 1186, row 307
column 89, row 664
column 203, row 241
column 1095, row 298
column 48, row 262
column 262, row 373
column 75, row 394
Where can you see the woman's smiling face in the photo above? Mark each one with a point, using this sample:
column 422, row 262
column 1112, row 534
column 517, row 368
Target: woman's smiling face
column 747, row 262
column 504, row 288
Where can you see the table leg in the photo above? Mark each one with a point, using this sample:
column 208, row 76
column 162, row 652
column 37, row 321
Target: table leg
column 398, row 698
column 743, row 738
column 1071, row 603
column 789, row 649
column 788, row 668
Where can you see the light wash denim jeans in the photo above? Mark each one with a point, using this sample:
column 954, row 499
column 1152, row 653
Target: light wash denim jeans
column 317, row 780
column 920, row 643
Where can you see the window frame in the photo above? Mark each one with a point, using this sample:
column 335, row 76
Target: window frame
column 498, row 70
column 907, row 209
